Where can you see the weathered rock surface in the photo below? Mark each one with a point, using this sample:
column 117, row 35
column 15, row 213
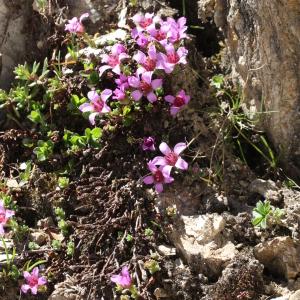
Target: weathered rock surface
column 295, row 296
column 201, row 242
column 14, row 17
column 263, row 39
column 281, row 256
column 242, row 279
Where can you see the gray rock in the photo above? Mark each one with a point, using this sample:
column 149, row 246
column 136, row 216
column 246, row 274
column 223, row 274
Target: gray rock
column 295, row 296
column 281, row 256
column 201, row 241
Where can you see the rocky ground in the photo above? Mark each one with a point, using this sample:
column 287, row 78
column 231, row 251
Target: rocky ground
column 198, row 233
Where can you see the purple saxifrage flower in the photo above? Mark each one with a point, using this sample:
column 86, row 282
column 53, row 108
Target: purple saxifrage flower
column 33, row 281
column 159, row 177
column 177, row 29
column 97, row 104
column 177, row 102
column 75, row 25
column 148, row 63
column 148, row 144
column 120, row 91
column 5, row 215
column 142, row 40
column 114, row 59
column 123, row 279
column 144, row 86
column 173, row 57
column 142, row 22
column 159, row 35
column 172, row 157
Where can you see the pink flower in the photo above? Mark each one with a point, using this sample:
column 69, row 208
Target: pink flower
column 178, row 102
column 33, row 281
column 159, row 35
column 120, row 91
column 177, row 29
column 148, row 144
column 159, row 177
column 5, row 214
column 114, row 59
column 148, row 63
column 172, row 157
column 124, row 279
column 142, row 40
column 122, row 81
column 144, row 86
column 173, row 57
column 144, row 21
column 119, row 94
column 97, row 104
column 75, row 25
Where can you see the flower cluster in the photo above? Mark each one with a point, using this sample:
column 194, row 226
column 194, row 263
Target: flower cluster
column 5, row 215
column 161, row 166
column 139, row 75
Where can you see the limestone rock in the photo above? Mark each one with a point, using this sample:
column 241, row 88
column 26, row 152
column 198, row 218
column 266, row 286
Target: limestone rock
column 266, row 188
column 166, row 250
column 201, row 242
column 295, row 296
column 39, row 237
column 241, row 279
column 13, row 38
column 281, row 256
column 263, row 42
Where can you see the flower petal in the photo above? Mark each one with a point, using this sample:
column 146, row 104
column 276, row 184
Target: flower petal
column 106, row 108
column 136, row 95
column 92, row 117
column 85, row 107
column 117, row 70
column 25, row 288
column 42, row 280
column 116, row 279
column 1, row 229
column 180, row 147
column 103, row 69
column 166, row 170
column 26, row 275
column 159, row 161
column 159, row 187
column 83, row 16
column 9, row 213
column 181, row 164
column 123, row 56
column 147, row 77
column 164, row 148
column 134, row 81
column 35, row 272
column 151, row 97
column 169, row 98
column 152, row 52
column 156, row 83
column 106, row 94
column 174, row 110
column 93, row 95
column 148, row 180
column 140, row 57
column 170, row 48
column 34, row 290
column 151, row 166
